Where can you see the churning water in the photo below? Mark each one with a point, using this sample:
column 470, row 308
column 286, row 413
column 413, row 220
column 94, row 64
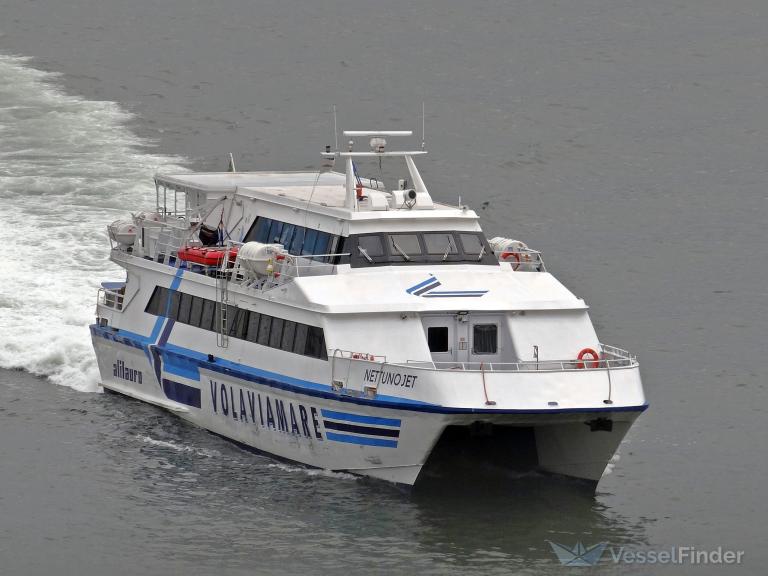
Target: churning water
column 68, row 166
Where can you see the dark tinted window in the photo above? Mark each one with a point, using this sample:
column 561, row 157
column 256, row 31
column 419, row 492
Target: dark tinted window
column 437, row 338
column 310, row 237
column 196, row 313
column 471, row 243
column 418, row 248
column 185, row 307
column 371, row 244
column 154, row 304
column 242, row 324
column 261, row 232
column 252, row 333
column 321, row 245
column 209, row 311
column 287, row 235
column 300, row 341
column 264, row 326
column 275, row 229
column 170, row 308
column 407, row 244
column 289, row 331
column 315, row 343
column 484, row 339
column 297, row 242
column 441, row 244
column 276, row 333
column 238, row 322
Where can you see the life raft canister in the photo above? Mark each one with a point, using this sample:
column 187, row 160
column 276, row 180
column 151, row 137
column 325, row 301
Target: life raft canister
column 207, row 256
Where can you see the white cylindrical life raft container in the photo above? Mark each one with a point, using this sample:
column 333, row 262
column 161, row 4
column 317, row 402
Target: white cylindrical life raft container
column 123, row 232
column 258, row 260
column 508, row 250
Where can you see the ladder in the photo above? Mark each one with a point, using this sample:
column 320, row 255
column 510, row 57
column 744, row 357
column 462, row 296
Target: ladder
column 222, row 300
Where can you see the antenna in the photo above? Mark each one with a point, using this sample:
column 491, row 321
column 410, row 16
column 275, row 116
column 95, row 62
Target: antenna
column 231, row 167
column 335, row 129
column 423, row 132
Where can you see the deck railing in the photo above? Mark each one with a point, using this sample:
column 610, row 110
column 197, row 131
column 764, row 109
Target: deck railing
column 610, row 358
column 110, row 298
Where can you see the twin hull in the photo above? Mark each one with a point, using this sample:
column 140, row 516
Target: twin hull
column 388, row 437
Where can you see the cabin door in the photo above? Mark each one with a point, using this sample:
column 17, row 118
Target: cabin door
column 485, row 338
column 441, row 337
column 464, row 337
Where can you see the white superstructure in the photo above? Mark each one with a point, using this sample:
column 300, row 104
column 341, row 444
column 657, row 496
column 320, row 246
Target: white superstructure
column 328, row 319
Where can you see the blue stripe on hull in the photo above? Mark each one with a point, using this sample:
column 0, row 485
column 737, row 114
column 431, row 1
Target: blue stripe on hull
column 181, row 393
column 308, row 388
column 360, row 418
column 172, row 364
column 362, row 440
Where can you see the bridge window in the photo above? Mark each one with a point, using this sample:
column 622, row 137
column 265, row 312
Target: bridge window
column 419, row 248
column 442, row 244
column 472, row 244
column 404, row 247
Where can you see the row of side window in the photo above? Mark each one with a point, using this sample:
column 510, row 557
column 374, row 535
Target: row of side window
column 255, row 327
column 298, row 240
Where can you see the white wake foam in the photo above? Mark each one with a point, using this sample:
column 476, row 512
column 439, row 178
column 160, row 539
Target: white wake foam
column 178, row 447
column 68, row 167
column 313, row 471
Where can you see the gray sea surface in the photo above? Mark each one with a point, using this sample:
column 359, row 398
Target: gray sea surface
column 628, row 141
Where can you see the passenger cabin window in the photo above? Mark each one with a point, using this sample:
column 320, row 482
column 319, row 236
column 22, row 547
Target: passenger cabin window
column 419, row 248
column 485, row 339
column 297, row 240
column 437, row 338
column 243, row 324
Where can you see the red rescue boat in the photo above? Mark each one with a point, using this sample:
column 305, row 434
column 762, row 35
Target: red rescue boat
column 206, row 256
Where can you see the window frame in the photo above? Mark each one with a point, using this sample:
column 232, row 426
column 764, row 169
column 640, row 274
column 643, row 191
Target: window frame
column 496, row 338
column 447, row 339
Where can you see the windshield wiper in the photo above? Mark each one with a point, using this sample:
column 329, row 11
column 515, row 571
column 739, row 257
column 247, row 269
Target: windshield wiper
column 482, row 253
column 364, row 252
column 403, row 254
column 447, row 248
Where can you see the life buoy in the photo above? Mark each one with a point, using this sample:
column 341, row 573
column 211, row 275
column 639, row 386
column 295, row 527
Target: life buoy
column 506, row 255
column 593, row 363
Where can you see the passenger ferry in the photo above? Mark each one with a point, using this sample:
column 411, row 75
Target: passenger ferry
column 328, row 319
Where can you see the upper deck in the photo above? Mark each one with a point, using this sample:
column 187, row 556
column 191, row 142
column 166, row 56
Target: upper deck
column 361, row 203
column 326, row 223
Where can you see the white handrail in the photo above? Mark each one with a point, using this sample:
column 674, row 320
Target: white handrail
column 620, row 359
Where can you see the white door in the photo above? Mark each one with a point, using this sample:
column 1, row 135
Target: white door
column 485, row 338
column 464, row 337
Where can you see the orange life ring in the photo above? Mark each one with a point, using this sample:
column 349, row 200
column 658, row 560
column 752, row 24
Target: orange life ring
column 515, row 255
column 595, row 362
